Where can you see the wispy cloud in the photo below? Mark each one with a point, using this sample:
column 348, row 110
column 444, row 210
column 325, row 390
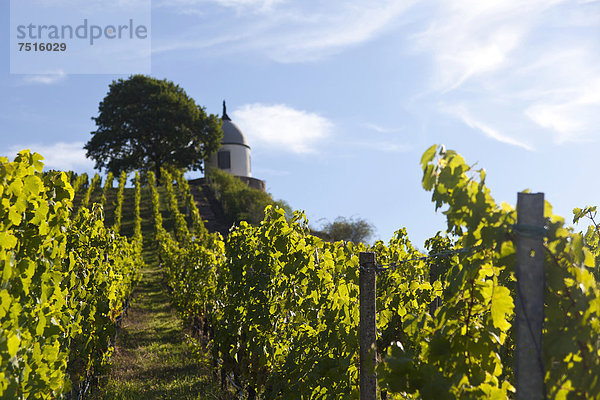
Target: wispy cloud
column 192, row 7
column 60, row 156
column 468, row 38
column 333, row 31
column 89, row 5
column 288, row 31
column 196, row 43
column 382, row 146
column 568, row 103
column 380, row 129
column 282, row 127
column 47, row 79
column 530, row 70
column 525, row 68
column 471, row 121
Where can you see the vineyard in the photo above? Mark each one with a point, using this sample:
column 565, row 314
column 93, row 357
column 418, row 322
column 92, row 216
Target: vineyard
column 277, row 308
column 66, row 281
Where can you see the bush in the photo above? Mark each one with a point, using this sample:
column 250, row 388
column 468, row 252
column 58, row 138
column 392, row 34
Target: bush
column 240, row 202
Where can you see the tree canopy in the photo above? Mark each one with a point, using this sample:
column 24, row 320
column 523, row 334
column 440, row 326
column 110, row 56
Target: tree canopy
column 145, row 123
column 350, row 229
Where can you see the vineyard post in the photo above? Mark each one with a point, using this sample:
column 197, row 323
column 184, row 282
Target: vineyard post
column 367, row 327
column 529, row 368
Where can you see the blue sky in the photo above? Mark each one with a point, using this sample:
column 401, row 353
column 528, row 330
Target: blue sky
column 339, row 99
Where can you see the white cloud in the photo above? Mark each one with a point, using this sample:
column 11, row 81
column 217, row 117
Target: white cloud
column 282, row 127
column 383, row 146
column 47, row 79
column 569, row 101
column 571, row 120
column 464, row 115
column 77, row 6
column 380, row 129
column 287, row 31
column 530, row 70
column 195, row 43
column 192, row 7
column 330, row 33
column 467, row 38
column 524, row 68
column 60, row 156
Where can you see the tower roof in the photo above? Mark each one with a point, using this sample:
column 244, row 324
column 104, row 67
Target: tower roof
column 231, row 133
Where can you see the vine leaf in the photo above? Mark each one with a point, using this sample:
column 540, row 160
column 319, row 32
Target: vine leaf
column 502, row 307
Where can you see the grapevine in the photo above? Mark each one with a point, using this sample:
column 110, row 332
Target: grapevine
column 88, row 193
column 284, row 316
column 63, row 285
column 119, row 208
column 107, row 187
column 80, row 180
column 137, row 229
column 181, row 230
column 198, row 227
column 278, row 307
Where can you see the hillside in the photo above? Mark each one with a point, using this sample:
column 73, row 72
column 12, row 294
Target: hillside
column 210, row 210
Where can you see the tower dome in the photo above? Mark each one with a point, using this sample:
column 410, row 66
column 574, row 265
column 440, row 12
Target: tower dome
column 231, row 133
column 234, row 154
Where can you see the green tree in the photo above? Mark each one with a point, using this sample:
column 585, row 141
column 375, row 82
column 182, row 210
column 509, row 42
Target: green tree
column 145, row 123
column 239, row 201
column 356, row 230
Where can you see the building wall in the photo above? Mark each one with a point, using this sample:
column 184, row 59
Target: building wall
column 239, row 160
column 254, row 183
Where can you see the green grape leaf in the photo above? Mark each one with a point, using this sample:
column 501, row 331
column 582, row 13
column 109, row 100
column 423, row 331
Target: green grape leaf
column 7, row 240
column 33, row 184
column 429, row 155
column 5, row 300
column 14, row 216
column 13, row 343
column 502, row 306
column 37, row 163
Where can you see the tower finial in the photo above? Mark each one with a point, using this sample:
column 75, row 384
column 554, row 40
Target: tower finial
column 225, row 116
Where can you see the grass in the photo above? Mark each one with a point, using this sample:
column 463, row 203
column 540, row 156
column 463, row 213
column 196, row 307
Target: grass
column 153, row 358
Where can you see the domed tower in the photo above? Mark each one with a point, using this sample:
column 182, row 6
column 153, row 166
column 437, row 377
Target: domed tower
column 234, row 154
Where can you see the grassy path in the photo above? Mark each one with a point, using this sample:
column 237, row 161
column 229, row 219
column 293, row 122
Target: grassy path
column 152, row 359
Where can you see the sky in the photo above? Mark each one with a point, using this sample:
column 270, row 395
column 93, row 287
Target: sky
column 339, row 99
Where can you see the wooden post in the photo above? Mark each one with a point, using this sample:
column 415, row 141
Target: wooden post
column 367, row 327
column 529, row 271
